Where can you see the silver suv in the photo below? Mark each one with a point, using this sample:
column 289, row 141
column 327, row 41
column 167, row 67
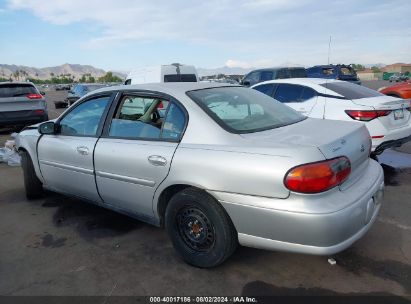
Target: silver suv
column 21, row 104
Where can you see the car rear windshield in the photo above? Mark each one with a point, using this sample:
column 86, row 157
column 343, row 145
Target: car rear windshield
column 350, row 90
column 241, row 110
column 347, row 71
column 180, row 78
column 16, row 89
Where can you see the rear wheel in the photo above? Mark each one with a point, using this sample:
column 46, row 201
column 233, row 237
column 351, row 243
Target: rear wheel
column 32, row 185
column 201, row 231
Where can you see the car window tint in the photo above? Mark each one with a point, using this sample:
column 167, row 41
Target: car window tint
column 288, row 93
column 282, row 73
column 252, row 77
column 267, row 89
column 241, row 110
column 15, row 90
column 85, row 118
column 266, row 75
column 350, row 90
column 328, row 71
column 298, row 73
column 308, row 93
column 180, row 78
column 174, row 123
column 346, row 71
column 144, row 118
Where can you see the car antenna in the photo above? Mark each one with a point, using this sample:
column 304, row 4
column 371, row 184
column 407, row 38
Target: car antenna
column 329, row 50
column 326, row 80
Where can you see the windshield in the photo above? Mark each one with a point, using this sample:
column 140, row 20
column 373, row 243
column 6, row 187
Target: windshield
column 243, row 110
column 350, row 90
column 16, row 89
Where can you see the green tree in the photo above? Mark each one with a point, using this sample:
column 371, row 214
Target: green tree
column 109, row 77
column 376, row 69
column 358, row 67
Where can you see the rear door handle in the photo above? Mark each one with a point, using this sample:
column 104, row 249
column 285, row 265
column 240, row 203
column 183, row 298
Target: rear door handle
column 82, row 150
column 157, row 160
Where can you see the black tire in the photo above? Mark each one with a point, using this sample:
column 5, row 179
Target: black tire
column 32, row 185
column 210, row 239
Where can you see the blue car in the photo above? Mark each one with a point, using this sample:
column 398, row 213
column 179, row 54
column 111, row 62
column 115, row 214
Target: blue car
column 331, row 71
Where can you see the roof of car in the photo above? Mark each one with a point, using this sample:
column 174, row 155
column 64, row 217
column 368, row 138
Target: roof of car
column 277, row 68
column 169, row 87
column 17, row 82
column 307, row 81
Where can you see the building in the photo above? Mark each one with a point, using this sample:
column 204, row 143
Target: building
column 368, row 74
column 397, row 68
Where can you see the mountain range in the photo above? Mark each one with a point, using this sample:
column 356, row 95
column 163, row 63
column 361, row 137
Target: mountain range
column 74, row 70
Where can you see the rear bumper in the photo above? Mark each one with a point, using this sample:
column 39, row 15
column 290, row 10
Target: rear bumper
column 18, row 119
column 308, row 232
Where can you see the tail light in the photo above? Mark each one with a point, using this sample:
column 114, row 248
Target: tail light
column 318, row 177
column 39, row 112
column 367, row 115
column 34, row 96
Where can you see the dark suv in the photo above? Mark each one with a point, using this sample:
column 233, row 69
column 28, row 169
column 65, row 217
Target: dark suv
column 331, row 71
column 261, row 75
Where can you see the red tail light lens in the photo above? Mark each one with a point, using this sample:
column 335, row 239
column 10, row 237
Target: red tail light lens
column 318, row 177
column 367, row 115
column 34, row 96
column 39, row 112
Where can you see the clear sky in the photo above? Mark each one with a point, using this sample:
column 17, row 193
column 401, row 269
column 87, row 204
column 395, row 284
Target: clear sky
column 124, row 34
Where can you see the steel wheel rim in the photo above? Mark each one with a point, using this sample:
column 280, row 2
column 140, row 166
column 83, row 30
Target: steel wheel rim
column 195, row 229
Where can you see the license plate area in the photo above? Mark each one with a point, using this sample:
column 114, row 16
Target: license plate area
column 398, row 114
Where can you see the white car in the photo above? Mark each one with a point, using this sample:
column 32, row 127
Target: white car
column 387, row 118
column 174, row 72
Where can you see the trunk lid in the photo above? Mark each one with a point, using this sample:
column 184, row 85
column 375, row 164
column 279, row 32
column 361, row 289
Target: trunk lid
column 399, row 115
column 20, row 103
column 333, row 139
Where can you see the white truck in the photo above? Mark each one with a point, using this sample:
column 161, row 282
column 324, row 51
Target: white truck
column 174, row 72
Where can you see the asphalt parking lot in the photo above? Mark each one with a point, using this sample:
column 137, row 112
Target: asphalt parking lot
column 61, row 246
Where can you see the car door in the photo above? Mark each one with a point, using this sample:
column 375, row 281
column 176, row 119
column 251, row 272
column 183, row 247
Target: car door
column 298, row 97
column 135, row 152
column 66, row 158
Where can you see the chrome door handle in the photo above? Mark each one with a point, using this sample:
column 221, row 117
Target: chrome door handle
column 157, row 160
column 82, row 150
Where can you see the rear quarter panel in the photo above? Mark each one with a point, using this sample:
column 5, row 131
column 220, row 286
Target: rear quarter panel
column 236, row 169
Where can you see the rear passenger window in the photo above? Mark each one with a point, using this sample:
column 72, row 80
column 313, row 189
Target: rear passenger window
column 288, row 93
column 267, row 89
column 308, row 93
column 147, row 118
column 328, row 71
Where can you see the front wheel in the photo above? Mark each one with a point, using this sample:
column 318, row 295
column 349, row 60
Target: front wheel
column 32, row 185
column 200, row 229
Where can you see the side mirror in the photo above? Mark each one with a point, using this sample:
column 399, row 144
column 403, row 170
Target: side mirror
column 246, row 83
column 48, row 127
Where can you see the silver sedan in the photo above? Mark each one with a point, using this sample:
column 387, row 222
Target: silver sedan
column 216, row 165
